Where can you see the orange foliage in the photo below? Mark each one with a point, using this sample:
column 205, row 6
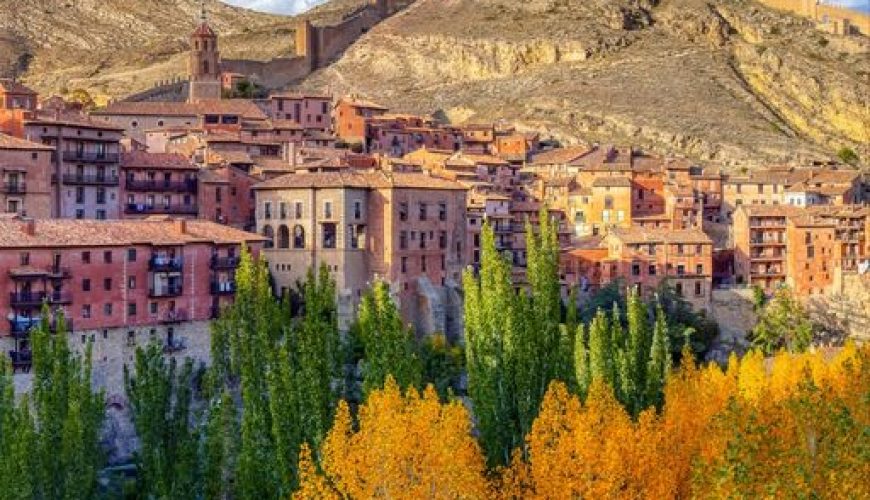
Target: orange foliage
column 792, row 426
column 406, row 447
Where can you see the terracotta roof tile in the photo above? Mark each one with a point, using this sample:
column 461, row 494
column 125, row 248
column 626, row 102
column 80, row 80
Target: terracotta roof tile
column 618, row 181
column 636, row 235
column 13, row 87
column 11, row 142
column 242, row 107
column 57, row 233
column 560, row 156
column 364, row 180
column 141, row 159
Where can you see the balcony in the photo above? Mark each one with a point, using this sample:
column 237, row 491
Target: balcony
column 168, row 291
column 223, row 287
column 767, row 257
column 224, row 262
column 135, row 208
column 27, row 299
column 161, row 186
column 82, row 156
column 175, row 316
column 20, row 328
column 175, row 345
column 162, row 264
column 90, row 180
column 57, row 272
column 21, row 360
column 767, row 241
column 19, row 187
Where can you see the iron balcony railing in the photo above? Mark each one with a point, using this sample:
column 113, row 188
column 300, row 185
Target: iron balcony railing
column 19, row 187
column 188, row 186
column 223, row 287
column 138, row 208
column 224, row 262
column 91, row 157
column 160, row 263
column 169, row 291
column 95, row 180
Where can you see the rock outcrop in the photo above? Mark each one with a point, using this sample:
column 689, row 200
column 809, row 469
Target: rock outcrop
column 728, row 81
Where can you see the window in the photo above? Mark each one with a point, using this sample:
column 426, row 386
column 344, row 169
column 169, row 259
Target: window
column 298, row 210
column 80, row 194
column 681, row 270
column 423, row 263
column 699, row 249
column 698, row 288
column 680, row 249
column 283, row 236
column 403, row 211
column 131, row 309
column 131, row 283
column 152, row 308
column 635, row 269
column 357, row 210
column 107, row 284
column 107, row 256
column 422, row 240
column 679, row 289
column 329, row 235
column 699, row 269
column 608, row 202
column 24, row 258
column 80, row 213
column 652, row 270
column 423, row 209
column 442, row 240
column 269, row 234
column 404, row 264
column 811, row 252
column 298, row 237
column 327, row 209
column 282, row 210
column 267, row 210
column 86, row 285
column 131, row 255
column 442, row 211
column 101, row 196
column 86, row 311
column 403, row 240
column 100, row 215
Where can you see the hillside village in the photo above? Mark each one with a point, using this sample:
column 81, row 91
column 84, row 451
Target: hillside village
column 306, row 179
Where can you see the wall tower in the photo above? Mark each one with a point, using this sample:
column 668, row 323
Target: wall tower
column 204, row 63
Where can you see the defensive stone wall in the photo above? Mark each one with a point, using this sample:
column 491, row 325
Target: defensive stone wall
column 829, row 16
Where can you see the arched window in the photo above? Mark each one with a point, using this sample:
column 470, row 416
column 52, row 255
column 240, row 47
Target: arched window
column 205, row 67
column 298, row 237
column 283, row 236
column 205, row 45
column 270, row 235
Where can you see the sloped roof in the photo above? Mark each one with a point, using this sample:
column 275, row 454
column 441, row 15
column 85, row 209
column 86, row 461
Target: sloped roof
column 352, row 179
column 11, row 142
column 142, row 159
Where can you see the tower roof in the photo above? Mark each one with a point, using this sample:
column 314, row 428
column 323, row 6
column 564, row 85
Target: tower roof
column 204, row 30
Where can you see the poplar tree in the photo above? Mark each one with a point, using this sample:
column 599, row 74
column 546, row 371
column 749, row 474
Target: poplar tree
column 161, row 400
column 491, row 336
column 581, row 362
column 659, row 364
column 600, row 349
column 387, row 342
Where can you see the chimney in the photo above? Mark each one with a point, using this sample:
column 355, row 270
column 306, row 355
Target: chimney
column 29, row 227
column 181, row 226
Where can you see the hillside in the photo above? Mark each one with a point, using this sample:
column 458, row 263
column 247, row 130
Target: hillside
column 723, row 80
column 116, row 47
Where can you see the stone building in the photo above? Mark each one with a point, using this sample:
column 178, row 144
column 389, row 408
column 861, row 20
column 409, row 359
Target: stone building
column 158, row 184
column 405, row 228
column 119, row 285
column 85, row 164
column 644, row 258
column 25, row 177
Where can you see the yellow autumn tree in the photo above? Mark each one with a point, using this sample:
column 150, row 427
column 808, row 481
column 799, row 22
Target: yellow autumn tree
column 405, row 447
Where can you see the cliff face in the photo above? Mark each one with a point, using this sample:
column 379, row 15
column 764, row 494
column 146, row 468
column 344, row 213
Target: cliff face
column 113, row 48
column 721, row 80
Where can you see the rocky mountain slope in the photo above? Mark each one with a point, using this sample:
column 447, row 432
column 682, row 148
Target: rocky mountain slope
column 723, row 80
column 116, row 47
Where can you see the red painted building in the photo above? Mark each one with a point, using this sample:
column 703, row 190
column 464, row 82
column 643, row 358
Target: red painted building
column 115, row 278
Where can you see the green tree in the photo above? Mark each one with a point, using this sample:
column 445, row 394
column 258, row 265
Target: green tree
column 442, row 364
column 161, row 404
column 848, row 155
column 782, row 323
column 600, row 350
column 581, row 362
column 388, row 343
column 659, row 364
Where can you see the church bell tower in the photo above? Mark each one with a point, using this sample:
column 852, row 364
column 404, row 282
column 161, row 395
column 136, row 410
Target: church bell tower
column 204, row 62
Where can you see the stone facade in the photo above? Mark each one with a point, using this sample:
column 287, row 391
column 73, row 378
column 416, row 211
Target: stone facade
column 25, row 177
